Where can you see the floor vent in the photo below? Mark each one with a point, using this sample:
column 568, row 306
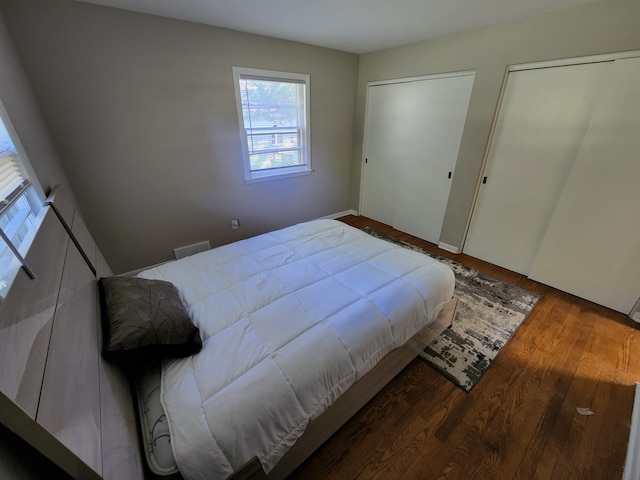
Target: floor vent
column 188, row 250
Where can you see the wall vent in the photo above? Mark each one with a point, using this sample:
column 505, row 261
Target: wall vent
column 188, row 250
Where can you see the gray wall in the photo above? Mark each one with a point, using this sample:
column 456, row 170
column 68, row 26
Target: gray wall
column 143, row 115
column 17, row 459
column 26, row 118
column 142, row 112
column 603, row 27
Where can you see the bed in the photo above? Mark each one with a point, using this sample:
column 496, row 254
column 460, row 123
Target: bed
column 300, row 328
column 60, row 395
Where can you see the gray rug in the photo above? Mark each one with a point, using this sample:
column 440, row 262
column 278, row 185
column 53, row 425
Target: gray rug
column 489, row 312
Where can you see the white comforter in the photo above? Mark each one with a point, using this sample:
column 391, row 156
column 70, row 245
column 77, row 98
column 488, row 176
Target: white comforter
column 289, row 321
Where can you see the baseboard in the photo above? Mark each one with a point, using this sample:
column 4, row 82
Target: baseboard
column 632, row 463
column 339, row 214
column 333, row 216
column 133, row 273
column 448, row 248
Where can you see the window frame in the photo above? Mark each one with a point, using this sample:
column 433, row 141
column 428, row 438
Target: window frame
column 252, row 176
column 30, row 193
column 24, row 159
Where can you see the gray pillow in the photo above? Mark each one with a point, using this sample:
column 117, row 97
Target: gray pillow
column 144, row 320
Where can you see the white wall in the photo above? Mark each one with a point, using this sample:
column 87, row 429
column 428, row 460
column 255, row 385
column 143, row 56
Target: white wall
column 142, row 112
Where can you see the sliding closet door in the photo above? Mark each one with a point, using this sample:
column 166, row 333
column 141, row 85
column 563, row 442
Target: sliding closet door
column 543, row 117
column 431, row 142
column 388, row 107
column 413, row 132
column 592, row 245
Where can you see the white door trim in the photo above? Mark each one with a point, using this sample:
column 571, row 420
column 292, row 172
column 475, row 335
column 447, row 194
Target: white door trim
column 564, row 62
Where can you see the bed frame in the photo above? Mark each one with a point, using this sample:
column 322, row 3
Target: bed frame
column 62, row 398
column 320, row 429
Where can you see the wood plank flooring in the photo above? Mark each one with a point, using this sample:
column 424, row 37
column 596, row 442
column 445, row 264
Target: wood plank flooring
column 520, row 420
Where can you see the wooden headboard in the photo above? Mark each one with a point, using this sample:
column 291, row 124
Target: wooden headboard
column 56, row 391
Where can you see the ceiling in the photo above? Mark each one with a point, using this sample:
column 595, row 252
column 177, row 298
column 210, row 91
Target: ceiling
column 357, row 26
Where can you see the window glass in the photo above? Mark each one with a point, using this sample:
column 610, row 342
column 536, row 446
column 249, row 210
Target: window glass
column 19, row 205
column 274, row 112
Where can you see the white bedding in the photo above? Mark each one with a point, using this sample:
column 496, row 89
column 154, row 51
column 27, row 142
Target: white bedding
column 289, row 321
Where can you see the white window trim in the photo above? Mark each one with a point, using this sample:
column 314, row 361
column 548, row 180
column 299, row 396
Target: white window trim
column 34, row 195
column 286, row 172
column 26, row 164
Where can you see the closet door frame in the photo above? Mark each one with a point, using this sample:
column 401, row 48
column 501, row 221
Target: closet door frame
column 375, row 83
column 565, row 62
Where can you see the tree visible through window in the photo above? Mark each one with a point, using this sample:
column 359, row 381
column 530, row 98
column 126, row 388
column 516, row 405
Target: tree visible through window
column 273, row 112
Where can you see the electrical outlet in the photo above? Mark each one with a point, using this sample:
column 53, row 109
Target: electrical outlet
column 235, row 224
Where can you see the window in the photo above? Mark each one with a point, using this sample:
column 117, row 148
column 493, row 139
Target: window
column 19, row 204
column 273, row 111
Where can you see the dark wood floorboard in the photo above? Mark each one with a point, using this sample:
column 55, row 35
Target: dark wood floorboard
column 520, row 421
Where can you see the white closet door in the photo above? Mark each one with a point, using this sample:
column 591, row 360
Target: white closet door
column 432, row 135
column 387, row 108
column 413, row 132
column 543, row 117
column 592, row 245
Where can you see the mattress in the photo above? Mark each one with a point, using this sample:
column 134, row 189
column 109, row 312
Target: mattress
column 289, row 321
column 156, row 438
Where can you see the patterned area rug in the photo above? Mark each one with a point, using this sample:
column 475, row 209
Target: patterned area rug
column 488, row 313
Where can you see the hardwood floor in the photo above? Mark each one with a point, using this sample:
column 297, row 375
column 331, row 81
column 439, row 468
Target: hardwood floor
column 520, row 421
